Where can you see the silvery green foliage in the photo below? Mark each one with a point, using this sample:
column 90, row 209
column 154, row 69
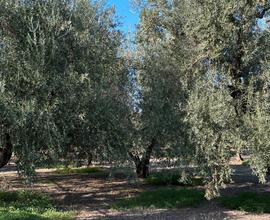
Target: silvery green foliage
column 225, row 37
column 257, row 123
column 63, row 86
column 212, row 119
column 216, row 47
column 159, row 78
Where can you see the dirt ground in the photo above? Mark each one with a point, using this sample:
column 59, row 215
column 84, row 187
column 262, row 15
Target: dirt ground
column 91, row 195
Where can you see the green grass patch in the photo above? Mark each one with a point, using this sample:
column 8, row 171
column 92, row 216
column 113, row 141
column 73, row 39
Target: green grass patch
column 27, row 205
column 247, row 201
column 173, row 178
column 51, row 164
column 163, row 198
column 246, row 163
column 71, row 170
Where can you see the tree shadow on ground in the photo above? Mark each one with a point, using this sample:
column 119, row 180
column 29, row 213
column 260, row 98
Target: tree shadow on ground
column 204, row 212
column 92, row 195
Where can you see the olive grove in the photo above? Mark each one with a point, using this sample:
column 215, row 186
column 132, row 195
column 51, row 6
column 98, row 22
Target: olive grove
column 194, row 90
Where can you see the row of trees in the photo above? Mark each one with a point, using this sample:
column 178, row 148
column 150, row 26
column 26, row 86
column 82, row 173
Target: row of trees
column 195, row 88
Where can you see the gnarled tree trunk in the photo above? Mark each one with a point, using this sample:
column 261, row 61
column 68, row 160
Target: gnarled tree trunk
column 142, row 165
column 6, row 151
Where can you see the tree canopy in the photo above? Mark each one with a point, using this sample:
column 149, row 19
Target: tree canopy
column 63, row 84
column 219, row 55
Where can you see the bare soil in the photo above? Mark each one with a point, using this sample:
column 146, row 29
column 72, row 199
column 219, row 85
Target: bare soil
column 92, row 195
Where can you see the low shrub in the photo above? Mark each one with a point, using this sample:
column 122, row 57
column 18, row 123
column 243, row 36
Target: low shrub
column 173, row 178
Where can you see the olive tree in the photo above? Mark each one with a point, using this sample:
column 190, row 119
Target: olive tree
column 161, row 129
column 64, row 86
column 229, row 45
column 219, row 53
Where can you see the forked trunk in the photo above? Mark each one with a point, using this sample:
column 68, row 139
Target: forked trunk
column 142, row 165
column 142, row 169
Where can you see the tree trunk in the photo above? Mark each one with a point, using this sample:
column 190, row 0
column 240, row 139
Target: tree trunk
column 142, row 165
column 6, row 151
column 89, row 159
column 240, row 156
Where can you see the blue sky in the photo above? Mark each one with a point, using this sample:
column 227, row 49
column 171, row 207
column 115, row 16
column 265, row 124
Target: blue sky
column 127, row 16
